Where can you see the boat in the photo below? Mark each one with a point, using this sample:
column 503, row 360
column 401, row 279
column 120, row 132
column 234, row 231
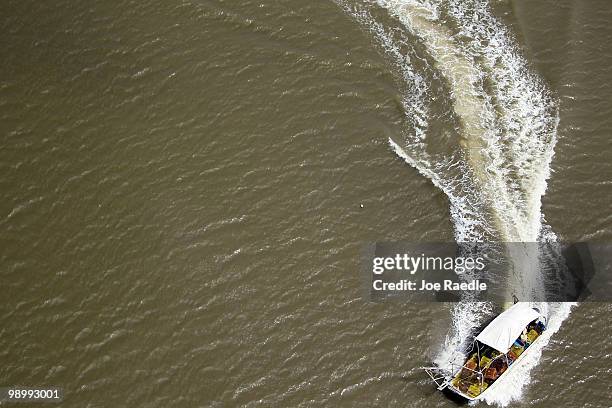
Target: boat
column 498, row 347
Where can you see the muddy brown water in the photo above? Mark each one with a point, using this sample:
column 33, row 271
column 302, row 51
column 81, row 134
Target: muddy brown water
column 181, row 203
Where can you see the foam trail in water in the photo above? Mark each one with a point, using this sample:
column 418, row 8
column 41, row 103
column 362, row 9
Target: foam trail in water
column 464, row 212
column 473, row 109
column 469, row 224
column 450, row 174
column 415, row 93
column 525, row 136
column 508, row 137
column 525, row 131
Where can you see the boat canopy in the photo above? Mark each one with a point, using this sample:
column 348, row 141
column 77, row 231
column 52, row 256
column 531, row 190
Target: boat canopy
column 507, row 327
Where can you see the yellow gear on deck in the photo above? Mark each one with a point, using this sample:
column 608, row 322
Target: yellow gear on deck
column 477, row 389
column 532, row 335
column 484, row 361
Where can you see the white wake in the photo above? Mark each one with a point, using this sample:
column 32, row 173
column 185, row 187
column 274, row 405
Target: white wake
column 496, row 175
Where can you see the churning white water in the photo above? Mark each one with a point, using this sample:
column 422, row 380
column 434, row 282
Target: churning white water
column 496, row 174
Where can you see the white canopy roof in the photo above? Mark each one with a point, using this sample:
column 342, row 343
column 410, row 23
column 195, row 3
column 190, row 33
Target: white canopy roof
column 507, row 327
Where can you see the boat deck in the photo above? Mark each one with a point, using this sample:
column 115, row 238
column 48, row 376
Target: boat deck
column 482, row 369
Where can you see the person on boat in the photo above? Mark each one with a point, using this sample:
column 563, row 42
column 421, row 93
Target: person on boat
column 524, row 336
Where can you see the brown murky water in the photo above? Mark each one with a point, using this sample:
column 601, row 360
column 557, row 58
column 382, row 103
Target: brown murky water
column 181, row 188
